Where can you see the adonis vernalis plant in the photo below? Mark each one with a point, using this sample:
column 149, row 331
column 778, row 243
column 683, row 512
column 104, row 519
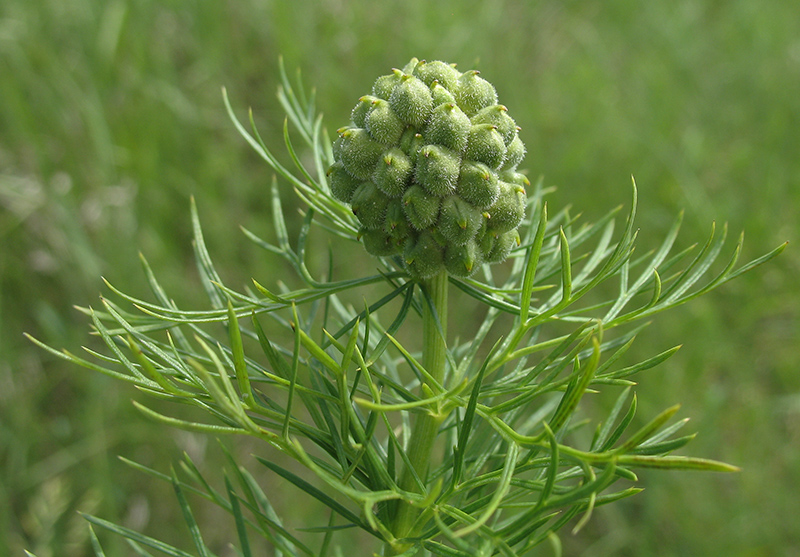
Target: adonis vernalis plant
column 438, row 445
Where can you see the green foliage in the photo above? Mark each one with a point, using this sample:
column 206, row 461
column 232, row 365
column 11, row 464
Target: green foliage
column 111, row 119
column 341, row 396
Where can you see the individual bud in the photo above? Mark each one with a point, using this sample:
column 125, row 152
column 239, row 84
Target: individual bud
column 509, row 209
column 412, row 65
column 462, row 261
column 341, row 183
column 360, row 111
column 448, row 126
column 485, row 238
column 444, row 73
column 437, row 170
column 381, row 244
column 477, row 185
column 485, row 144
column 441, row 95
column 411, row 100
column 411, row 142
column 385, row 84
column 358, row 152
column 458, row 220
column 497, row 115
column 420, row 207
column 338, row 143
column 474, row 93
column 396, row 224
column 500, row 246
column 515, row 152
column 437, row 235
column 516, row 178
column 393, row 173
column 383, row 124
column 423, row 256
column 369, row 205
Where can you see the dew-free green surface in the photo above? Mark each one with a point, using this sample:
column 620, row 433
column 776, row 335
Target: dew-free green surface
column 111, row 117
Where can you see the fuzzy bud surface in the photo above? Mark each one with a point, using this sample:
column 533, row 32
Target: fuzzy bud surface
column 428, row 165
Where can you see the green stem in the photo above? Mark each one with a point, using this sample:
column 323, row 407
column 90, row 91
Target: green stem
column 426, row 425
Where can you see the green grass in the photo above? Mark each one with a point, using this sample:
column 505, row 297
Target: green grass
column 111, row 118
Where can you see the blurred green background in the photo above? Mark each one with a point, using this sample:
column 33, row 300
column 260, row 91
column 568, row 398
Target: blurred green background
column 111, row 118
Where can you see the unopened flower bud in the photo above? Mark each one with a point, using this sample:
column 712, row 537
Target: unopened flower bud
column 411, row 100
column 485, row 144
column 396, row 223
column 516, row 178
column 421, row 208
column 458, row 221
column 437, row 169
column 383, row 124
column 430, row 170
column 381, row 244
column 507, row 212
column 449, row 126
column 500, row 246
column 393, row 172
column 474, row 93
column 461, row 261
column 360, row 111
column 341, row 183
column 445, row 74
column 423, row 255
column 369, row 205
column 358, row 152
column 515, row 152
column 385, row 84
column 497, row 115
column 477, row 185
column 441, row 95
column 411, row 142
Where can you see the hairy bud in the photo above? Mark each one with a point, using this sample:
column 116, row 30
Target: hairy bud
column 477, row 185
column 369, row 205
column 429, row 168
column 461, row 261
column 342, row 184
column 383, row 124
column 437, row 170
column 507, row 212
column 445, row 74
column 474, row 93
column 485, row 144
column 497, row 115
column 515, row 152
column 423, row 255
column 496, row 247
column 393, row 173
column 378, row 242
column 449, row 126
column 360, row 111
column 421, row 208
column 412, row 101
column 459, row 221
column 441, row 95
column 358, row 152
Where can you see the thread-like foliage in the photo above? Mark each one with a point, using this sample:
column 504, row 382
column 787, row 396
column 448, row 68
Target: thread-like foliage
column 332, row 387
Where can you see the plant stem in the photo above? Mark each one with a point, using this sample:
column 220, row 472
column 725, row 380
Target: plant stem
column 426, row 425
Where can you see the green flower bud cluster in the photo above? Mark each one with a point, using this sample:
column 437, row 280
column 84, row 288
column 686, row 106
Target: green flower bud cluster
column 429, row 168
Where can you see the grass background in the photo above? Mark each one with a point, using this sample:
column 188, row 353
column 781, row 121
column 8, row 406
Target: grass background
column 111, row 118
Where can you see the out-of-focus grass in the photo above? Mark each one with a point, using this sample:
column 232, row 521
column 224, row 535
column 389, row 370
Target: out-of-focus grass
column 111, row 117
